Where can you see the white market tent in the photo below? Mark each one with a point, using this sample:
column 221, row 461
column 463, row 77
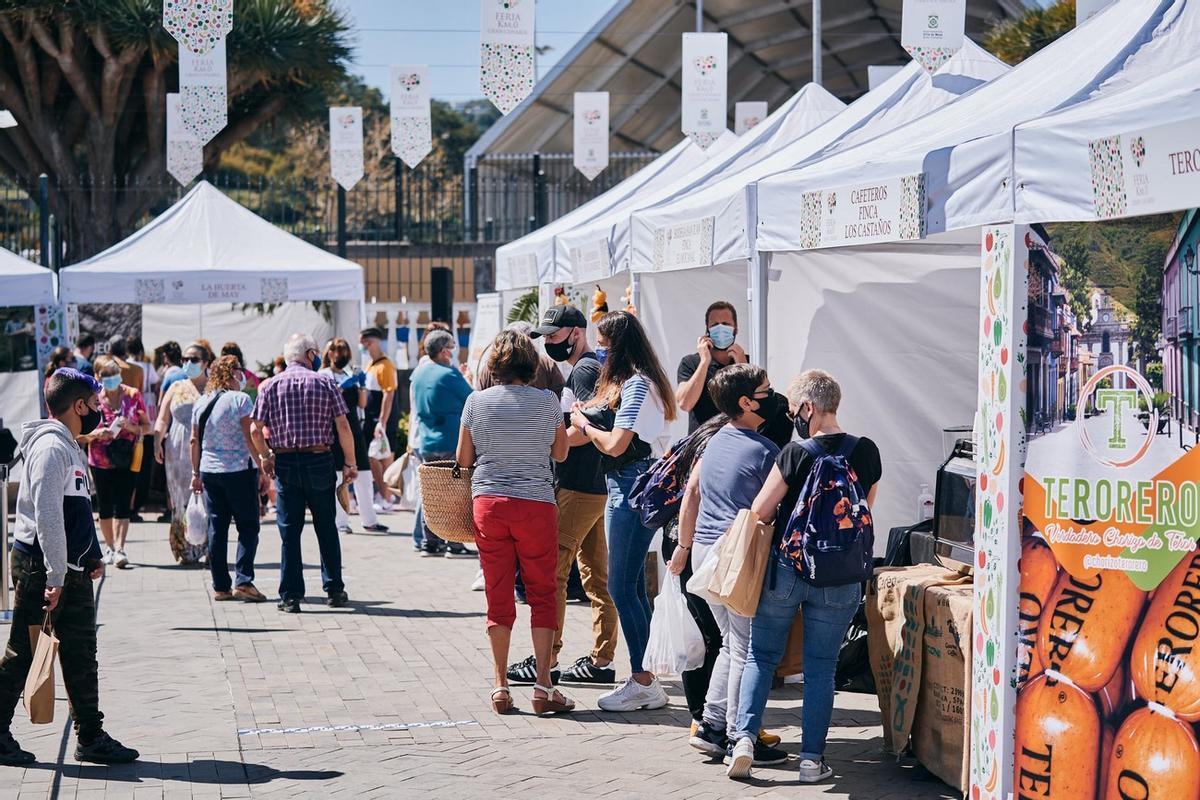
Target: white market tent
column 902, row 355
column 25, row 283
column 210, row 252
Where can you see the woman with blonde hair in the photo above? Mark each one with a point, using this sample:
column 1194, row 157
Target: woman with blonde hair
column 172, row 446
column 634, row 402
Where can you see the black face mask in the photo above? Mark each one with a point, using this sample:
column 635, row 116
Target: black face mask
column 341, row 361
column 560, row 351
column 89, row 421
column 802, row 427
column 778, row 425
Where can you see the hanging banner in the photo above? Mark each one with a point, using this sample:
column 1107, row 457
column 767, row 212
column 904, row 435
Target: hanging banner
column 185, row 154
column 688, row 244
column 203, row 93
column 506, row 51
column 591, row 133
column 50, row 329
column 198, row 25
column 346, row 145
column 488, row 322
column 591, row 261
column 524, row 270
column 887, row 210
column 747, row 115
column 1146, row 172
column 703, row 75
column 1086, row 9
column 412, row 129
column 932, row 31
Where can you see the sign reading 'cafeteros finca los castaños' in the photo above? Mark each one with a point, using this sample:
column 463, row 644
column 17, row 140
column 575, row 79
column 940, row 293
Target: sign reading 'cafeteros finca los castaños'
column 1109, row 634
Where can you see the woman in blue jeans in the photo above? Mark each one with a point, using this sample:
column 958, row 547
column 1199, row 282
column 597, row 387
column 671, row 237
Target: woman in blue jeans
column 814, row 397
column 635, row 386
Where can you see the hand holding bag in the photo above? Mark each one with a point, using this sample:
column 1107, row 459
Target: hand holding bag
column 197, row 521
column 676, row 644
column 39, row 683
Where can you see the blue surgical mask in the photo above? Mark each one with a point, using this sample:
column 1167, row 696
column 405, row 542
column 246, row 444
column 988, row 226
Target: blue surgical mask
column 601, row 354
column 242, row 383
column 316, row 364
column 721, row 335
column 193, row 369
column 111, row 382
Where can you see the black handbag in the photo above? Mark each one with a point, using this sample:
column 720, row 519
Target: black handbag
column 602, row 418
column 120, row 453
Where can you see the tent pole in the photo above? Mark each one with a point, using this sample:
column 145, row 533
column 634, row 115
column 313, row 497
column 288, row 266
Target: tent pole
column 817, row 74
column 756, row 299
column 699, row 16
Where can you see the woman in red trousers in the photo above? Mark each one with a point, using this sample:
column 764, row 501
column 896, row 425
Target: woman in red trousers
column 509, row 434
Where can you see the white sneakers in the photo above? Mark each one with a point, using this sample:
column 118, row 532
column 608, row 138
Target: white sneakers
column 814, row 771
column 109, row 555
column 120, row 560
column 741, row 760
column 631, row 696
column 478, row 584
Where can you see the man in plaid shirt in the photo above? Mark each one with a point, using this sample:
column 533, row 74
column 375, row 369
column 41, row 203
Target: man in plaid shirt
column 293, row 424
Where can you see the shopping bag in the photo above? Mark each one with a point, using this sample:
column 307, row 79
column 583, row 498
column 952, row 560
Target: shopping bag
column 39, row 683
column 704, row 582
column 676, row 644
column 197, row 521
column 743, row 563
column 411, row 491
column 379, row 448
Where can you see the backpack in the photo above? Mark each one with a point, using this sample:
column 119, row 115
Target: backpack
column 657, row 493
column 830, row 536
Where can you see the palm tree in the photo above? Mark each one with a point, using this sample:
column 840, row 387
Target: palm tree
column 1015, row 40
column 87, row 81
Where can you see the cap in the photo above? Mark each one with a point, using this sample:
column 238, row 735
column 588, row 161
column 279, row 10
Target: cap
column 371, row 333
column 558, row 318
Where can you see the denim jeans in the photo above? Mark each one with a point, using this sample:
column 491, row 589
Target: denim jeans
column 420, row 532
column 232, row 496
column 628, row 543
column 306, row 480
column 827, row 614
column 724, row 687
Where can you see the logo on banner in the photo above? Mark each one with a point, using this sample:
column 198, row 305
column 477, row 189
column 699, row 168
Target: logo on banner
column 1145, row 172
column 1137, row 149
column 932, row 31
column 705, row 65
column 410, row 81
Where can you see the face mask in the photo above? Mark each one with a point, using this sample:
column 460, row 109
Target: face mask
column 721, row 335
column 193, row 369
column 316, row 364
column 601, row 354
column 768, row 407
column 242, row 383
column 802, row 427
column 341, row 361
column 89, row 421
column 560, row 351
column 362, row 348
column 111, row 383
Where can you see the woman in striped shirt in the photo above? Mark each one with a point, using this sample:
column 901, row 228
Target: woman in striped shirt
column 635, row 386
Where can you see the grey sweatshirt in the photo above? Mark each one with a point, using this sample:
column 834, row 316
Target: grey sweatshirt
column 54, row 505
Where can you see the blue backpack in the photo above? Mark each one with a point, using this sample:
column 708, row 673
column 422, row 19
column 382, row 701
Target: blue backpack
column 657, row 494
column 830, row 536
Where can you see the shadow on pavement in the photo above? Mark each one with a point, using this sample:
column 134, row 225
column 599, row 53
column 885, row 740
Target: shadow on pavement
column 377, row 608
column 200, row 771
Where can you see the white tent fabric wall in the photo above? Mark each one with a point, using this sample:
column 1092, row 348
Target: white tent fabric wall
column 725, row 194
column 964, row 149
column 20, row 395
column 675, row 320
column 897, row 325
column 24, row 283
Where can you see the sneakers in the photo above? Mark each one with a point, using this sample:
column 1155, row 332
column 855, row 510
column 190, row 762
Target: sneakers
column 109, row 555
column 526, row 672
column 709, row 741
column 432, row 551
column 765, row 755
column 769, row 739
column 345, row 529
column 337, row 599
column 376, row 528
column 289, row 606
column 478, row 584
column 105, row 750
column 741, row 758
column 631, row 696
column 11, row 754
column 121, row 561
column 460, row 551
column 584, row 670
column 383, row 506
column 814, row 771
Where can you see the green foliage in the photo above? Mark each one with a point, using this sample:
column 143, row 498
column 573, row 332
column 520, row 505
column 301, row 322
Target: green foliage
column 1015, row 40
column 526, row 308
column 1154, row 374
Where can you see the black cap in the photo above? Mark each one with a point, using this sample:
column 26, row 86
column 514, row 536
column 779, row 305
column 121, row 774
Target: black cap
column 558, row 318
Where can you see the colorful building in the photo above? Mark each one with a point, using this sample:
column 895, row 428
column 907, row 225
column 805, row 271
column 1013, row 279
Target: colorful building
column 1181, row 325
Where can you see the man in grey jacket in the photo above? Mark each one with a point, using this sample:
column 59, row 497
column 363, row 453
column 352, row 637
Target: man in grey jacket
column 55, row 557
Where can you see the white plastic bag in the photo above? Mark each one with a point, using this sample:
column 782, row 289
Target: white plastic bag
column 379, row 448
column 197, row 521
column 676, row 644
column 705, row 576
column 412, row 483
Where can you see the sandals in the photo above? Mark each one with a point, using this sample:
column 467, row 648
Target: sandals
column 222, row 597
column 545, row 706
column 504, row 703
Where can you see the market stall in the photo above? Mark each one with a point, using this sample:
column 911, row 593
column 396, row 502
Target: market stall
column 209, row 251
column 940, row 183
column 24, row 284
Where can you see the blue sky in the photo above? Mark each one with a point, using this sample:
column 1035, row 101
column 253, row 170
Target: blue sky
column 445, row 35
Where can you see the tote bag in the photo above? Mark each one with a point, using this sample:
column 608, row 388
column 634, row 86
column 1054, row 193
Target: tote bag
column 743, row 563
column 39, row 683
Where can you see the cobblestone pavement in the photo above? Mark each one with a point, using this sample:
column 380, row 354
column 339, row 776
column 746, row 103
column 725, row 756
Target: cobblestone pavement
column 386, row 698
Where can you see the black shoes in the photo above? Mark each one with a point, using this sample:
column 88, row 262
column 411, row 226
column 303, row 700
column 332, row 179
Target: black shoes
column 105, row 750
column 460, row 551
column 337, row 600
column 584, row 671
column 11, row 754
column 525, row 672
column 709, row 741
column 289, row 606
column 432, row 551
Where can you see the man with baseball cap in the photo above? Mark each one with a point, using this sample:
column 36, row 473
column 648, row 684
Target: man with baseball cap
column 581, row 495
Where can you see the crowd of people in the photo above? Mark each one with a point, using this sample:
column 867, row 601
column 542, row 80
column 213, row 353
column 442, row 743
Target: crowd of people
column 558, row 432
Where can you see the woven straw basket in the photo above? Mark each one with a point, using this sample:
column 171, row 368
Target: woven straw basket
column 446, row 501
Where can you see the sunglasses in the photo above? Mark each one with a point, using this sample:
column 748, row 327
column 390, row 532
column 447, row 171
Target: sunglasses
column 193, row 359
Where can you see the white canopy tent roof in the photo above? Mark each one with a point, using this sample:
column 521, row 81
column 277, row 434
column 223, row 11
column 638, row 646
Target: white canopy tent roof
column 207, row 248
column 726, row 195
column 805, row 111
column 24, row 283
column 1052, row 169
column 964, row 149
column 516, row 260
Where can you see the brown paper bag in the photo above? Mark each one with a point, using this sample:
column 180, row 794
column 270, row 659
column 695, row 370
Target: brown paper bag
column 39, row 684
column 743, row 563
column 941, row 729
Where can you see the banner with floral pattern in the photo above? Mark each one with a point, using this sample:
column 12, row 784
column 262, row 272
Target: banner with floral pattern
column 185, row 153
column 932, row 31
column 203, row 93
column 591, row 133
column 506, row 51
column 412, row 129
column 198, row 25
column 703, row 79
column 346, row 145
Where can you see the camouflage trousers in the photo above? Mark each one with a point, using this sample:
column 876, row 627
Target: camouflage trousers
column 74, row 623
